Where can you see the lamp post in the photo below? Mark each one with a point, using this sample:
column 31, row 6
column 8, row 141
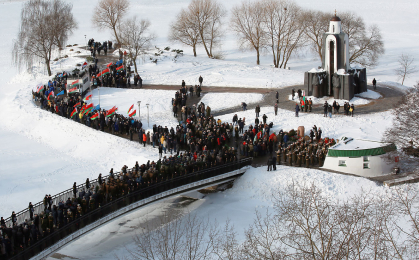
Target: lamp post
column 85, row 41
column 148, row 122
column 139, row 115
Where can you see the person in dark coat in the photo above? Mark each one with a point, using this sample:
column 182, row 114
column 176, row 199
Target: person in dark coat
column 325, row 107
column 374, row 83
column 311, row 135
column 257, row 110
column 269, row 164
column 30, row 207
column 200, row 81
column 297, row 109
column 351, row 110
column 264, row 117
column 274, row 162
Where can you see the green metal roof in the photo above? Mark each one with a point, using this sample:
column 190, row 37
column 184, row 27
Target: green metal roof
column 361, row 152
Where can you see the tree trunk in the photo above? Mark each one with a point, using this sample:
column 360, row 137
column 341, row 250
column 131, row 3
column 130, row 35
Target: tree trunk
column 116, row 36
column 135, row 66
column 274, row 55
column 48, row 67
column 205, row 45
column 257, row 56
column 194, row 50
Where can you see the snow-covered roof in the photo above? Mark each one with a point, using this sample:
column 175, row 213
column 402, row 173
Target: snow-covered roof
column 314, row 70
column 350, row 147
column 341, row 72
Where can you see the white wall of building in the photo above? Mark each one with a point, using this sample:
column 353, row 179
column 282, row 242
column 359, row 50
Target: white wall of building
column 377, row 165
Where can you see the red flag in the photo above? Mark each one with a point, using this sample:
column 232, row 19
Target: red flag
column 109, row 64
column 134, row 113
column 89, row 106
column 84, row 65
column 50, row 94
column 72, row 113
column 130, row 108
column 78, row 104
column 74, row 83
column 95, row 116
column 111, row 111
column 73, row 90
column 87, row 98
column 98, row 75
column 120, row 68
column 105, row 71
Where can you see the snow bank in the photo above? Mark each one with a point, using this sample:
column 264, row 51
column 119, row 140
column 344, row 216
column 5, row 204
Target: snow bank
column 369, row 94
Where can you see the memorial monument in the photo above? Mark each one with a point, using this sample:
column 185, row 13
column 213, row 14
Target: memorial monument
column 335, row 77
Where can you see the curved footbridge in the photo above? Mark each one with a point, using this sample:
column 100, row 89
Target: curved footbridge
column 134, row 200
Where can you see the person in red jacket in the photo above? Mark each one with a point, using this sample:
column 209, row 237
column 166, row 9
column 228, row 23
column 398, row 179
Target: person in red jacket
column 144, row 138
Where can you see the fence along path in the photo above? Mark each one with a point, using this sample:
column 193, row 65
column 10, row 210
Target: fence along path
column 130, row 201
column 23, row 215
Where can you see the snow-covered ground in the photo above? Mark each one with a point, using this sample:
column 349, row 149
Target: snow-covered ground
column 220, row 101
column 42, row 153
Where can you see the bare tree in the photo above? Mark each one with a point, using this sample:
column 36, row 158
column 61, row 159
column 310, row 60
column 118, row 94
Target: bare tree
column 185, row 30
column 247, row 21
column 285, row 28
column 317, row 25
column 365, row 44
column 207, row 15
column 406, row 67
column 175, row 237
column 263, row 239
column 109, row 14
column 404, row 130
column 225, row 244
column 44, row 26
column 136, row 37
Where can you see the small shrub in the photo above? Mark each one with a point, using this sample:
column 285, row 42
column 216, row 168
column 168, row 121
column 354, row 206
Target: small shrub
column 178, row 51
column 56, row 59
column 78, row 52
column 167, row 48
column 218, row 56
column 75, row 44
column 69, row 45
column 66, row 56
column 89, row 59
column 71, row 49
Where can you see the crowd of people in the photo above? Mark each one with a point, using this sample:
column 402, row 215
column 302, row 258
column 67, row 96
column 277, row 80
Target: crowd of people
column 202, row 140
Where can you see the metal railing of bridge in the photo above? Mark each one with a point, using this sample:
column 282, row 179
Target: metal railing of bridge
column 126, row 200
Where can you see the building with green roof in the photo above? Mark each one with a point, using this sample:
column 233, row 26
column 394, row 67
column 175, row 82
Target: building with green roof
column 360, row 157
